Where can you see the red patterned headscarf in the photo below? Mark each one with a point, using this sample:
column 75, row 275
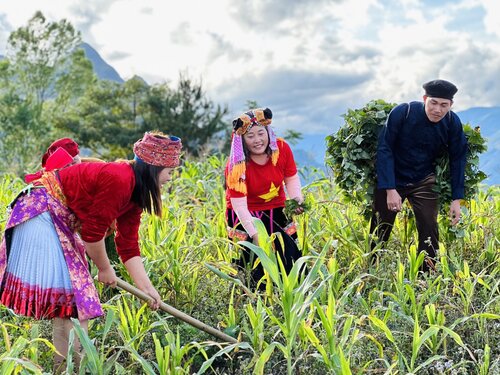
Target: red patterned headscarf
column 158, row 149
column 59, row 154
column 66, row 143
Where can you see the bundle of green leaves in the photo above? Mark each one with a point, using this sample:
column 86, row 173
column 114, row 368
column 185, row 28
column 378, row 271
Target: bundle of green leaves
column 291, row 206
column 351, row 154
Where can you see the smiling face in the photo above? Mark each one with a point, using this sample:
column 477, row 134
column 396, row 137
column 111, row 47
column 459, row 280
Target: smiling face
column 436, row 108
column 256, row 140
column 165, row 176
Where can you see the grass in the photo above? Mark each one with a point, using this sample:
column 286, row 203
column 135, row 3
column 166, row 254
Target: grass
column 346, row 316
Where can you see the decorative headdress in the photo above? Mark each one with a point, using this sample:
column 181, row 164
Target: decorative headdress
column 66, row 143
column 158, row 149
column 237, row 161
column 59, row 154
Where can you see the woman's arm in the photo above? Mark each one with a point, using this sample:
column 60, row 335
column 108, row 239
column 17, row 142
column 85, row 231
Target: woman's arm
column 97, row 252
column 135, row 268
column 240, row 206
column 293, row 187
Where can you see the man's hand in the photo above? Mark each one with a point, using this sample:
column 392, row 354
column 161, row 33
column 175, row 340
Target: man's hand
column 393, row 200
column 455, row 212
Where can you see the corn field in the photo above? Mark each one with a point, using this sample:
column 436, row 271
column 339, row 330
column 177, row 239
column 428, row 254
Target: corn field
column 345, row 315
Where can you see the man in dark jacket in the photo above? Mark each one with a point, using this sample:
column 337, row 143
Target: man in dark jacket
column 415, row 136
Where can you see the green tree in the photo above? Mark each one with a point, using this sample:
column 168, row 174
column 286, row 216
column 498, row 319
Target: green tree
column 40, row 55
column 110, row 116
column 104, row 119
column 187, row 113
column 17, row 129
column 43, row 71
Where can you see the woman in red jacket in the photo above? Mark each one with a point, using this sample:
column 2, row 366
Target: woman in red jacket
column 259, row 168
column 43, row 269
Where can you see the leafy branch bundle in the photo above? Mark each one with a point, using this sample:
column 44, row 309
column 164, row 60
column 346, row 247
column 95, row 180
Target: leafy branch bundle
column 352, row 150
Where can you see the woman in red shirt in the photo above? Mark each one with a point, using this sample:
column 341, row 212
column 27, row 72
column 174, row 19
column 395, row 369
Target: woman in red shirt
column 259, row 169
column 65, row 215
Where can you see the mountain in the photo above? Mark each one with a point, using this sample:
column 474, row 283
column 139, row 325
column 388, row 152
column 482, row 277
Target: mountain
column 310, row 150
column 488, row 119
column 101, row 68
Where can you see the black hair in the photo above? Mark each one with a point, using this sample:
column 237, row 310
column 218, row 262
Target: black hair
column 147, row 189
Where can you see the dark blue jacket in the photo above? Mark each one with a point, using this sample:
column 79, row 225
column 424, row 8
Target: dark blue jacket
column 409, row 146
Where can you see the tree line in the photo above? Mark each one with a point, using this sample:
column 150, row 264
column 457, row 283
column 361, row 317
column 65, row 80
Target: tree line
column 48, row 89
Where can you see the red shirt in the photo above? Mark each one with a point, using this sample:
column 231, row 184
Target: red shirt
column 265, row 189
column 99, row 193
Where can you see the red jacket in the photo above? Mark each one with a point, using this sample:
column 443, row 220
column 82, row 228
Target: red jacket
column 99, row 193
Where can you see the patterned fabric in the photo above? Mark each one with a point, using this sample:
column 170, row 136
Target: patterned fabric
column 235, row 175
column 37, row 281
column 158, row 149
column 32, row 204
column 67, row 144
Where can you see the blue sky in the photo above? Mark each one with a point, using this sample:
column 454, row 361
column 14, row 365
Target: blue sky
column 308, row 60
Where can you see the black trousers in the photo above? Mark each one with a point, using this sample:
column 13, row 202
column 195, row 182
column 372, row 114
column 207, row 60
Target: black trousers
column 274, row 220
column 424, row 201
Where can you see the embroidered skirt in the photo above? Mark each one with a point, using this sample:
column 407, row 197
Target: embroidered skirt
column 36, row 281
column 43, row 270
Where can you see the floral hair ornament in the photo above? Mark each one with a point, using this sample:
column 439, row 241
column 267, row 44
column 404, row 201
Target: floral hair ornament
column 158, row 149
column 237, row 161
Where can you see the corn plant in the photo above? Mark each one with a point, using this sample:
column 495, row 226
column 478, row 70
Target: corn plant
column 175, row 358
column 296, row 294
column 134, row 323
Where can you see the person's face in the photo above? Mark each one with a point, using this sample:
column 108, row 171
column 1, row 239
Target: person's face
column 256, row 139
column 165, row 175
column 436, row 108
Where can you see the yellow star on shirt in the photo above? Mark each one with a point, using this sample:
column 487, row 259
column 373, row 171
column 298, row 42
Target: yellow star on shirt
column 273, row 192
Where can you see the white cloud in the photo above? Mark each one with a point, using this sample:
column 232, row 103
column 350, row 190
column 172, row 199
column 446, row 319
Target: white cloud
column 319, row 56
column 491, row 19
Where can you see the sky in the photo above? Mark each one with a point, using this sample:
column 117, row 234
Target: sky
column 307, row 60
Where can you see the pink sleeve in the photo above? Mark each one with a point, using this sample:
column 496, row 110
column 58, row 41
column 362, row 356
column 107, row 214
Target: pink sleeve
column 293, row 187
column 240, row 206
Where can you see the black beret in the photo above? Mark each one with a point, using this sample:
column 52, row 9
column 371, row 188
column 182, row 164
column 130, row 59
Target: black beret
column 439, row 88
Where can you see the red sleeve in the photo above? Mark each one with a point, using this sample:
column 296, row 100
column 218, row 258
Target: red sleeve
column 111, row 195
column 127, row 233
column 286, row 155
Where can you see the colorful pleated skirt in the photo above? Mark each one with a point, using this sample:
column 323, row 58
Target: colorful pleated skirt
column 44, row 272
column 36, row 281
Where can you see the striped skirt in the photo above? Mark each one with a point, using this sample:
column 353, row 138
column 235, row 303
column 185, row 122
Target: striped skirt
column 43, row 269
column 36, row 281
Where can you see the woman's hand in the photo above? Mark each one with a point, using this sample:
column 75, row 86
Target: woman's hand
column 107, row 276
column 155, row 301
column 135, row 268
column 299, row 210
